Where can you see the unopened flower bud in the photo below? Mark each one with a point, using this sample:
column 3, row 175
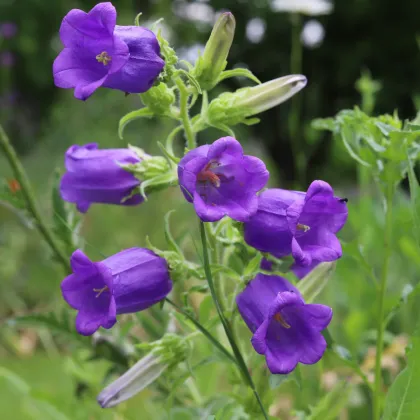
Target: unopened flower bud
column 234, row 108
column 165, row 353
column 213, row 61
column 159, row 99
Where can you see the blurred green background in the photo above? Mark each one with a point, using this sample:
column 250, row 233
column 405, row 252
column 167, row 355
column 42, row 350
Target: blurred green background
column 44, row 378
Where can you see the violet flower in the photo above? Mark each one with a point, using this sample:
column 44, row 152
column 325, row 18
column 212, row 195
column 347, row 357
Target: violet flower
column 129, row 281
column 8, row 30
column 304, row 225
column 95, row 176
column 221, row 181
column 7, row 59
column 97, row 52
column 285, row 329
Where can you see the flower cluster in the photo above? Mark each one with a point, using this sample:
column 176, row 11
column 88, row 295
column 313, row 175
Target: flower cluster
column 218, row 179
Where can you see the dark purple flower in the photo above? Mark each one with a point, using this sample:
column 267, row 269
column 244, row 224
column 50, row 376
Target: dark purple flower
column 8, row 30
column 7, row 59
column 100, row 53
column 285, row 329
column 95, row 176
column 221, row 181
column 304, row 225
column 129, row 281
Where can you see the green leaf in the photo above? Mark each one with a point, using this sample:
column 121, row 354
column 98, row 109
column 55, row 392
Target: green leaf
column 414, row 196
column 276, row 380
column 63, row 325
column 131, row 116
column 330, row 406
column 253, row 266
column 314, row 282
column 66, row 220
column 402, row 401
column 239, row 72
column 206, row 307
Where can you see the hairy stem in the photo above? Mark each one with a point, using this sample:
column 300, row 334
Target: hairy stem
column 185, row 118
column 381, row 308
column 31, row 203
column 240, row 360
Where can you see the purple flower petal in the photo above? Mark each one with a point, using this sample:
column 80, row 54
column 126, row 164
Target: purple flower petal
column 286, row 330
column 129, row 281
column 221, row 181
column 96, row 176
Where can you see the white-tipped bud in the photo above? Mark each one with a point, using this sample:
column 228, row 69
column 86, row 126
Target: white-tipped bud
column 138, row 377
column 234, row 108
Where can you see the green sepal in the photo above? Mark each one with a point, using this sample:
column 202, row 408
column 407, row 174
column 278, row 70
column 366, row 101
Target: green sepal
column 159, row 100
column 169, row 56
column 137, row 19
column 239, row 72
column 192, row 80
column 131, row 116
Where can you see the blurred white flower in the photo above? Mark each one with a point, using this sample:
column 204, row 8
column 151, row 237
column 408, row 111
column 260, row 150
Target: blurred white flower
column 190, row 53
column 312, row 34
column 255, row 30
column 306, row 7
column 195, row 12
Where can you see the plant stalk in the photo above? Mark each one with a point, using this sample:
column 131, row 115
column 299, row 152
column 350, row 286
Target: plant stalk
column 389, row 195
column 240, row 360
column 29, row 196
column 185, row 118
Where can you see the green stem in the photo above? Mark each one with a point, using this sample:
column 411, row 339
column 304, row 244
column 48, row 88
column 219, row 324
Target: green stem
column 240, row 360
column 294, row 132
column 185, row 118
column 382, row 294
column 28, row 194
column 207, row 333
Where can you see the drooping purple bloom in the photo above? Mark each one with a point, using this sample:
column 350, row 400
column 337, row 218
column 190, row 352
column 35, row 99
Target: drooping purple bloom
column 301, row 271
column 285, row 329
column 95, row 176
column 304, row 225
column 97, row 52
column 221, row 181
column 8, row 30
column 129, row 281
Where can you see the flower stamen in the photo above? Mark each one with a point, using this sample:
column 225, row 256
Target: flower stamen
column 104, row 58
column 100, row 291
column 280, row 319
column 207, row 175
column 304, row 228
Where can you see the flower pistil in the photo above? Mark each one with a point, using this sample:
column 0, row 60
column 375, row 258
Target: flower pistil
column 104, row 58
column 100, row 291
column 281, row 320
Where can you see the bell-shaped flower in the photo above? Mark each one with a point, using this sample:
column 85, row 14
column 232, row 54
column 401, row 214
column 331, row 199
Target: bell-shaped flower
column 97, row 52
column 95, row 176
column 304, row 225
column 285, row 329
column 221, row 181
column 129, row 281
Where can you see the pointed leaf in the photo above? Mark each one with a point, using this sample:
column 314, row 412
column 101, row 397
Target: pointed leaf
column 239, row 72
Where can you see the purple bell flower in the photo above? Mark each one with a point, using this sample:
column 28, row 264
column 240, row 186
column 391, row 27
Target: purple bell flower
column 285, row 329
column 129, row 281
column 304, row 225
column 221, row 181
column 8, row 30
column 97, row 52
column 95, row 176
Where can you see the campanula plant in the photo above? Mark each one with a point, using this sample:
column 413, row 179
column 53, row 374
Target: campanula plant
column 266, row 253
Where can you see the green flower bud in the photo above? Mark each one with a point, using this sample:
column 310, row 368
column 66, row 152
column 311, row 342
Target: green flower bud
column 234, row 108
column 159, row 99
column 165, row 353
column 154, row 172
column 211, row 64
